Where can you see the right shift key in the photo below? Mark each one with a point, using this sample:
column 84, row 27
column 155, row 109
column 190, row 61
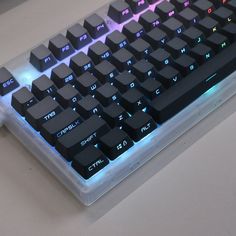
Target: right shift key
column 194, row 85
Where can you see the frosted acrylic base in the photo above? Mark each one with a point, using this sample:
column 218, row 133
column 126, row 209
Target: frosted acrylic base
column 88, row 191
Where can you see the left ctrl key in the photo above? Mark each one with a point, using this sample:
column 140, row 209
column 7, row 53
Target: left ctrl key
column 88, row 162
column 7, row 82
column 42, row 58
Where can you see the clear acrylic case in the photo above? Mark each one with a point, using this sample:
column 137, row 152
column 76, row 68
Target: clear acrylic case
column 88, row 191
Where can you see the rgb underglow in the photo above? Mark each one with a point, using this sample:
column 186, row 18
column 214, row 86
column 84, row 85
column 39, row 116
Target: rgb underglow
column 25, row 74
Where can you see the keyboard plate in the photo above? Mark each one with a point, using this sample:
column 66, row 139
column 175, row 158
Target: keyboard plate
column 88, row 191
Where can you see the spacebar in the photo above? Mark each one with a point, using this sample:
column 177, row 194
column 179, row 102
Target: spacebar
column 195, row 84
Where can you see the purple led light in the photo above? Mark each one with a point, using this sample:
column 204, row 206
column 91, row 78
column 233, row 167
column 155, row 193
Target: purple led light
column 125, row 12
column 186, row 4
column 171, row 13
column 141, row 2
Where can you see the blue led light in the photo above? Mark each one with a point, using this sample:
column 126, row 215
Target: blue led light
column 26, row 74
column 211, row 77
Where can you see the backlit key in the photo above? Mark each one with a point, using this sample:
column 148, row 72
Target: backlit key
column 60, row 47
column 78, row 36
column 203, row 7
column 137, row 5
column 96, row 26
column 165, row 10
column 42, row 112
column 120, row 11
column 7, row 81
column 133, row 30
column 42, row 58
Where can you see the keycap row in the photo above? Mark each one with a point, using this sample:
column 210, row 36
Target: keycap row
column 55, row 123
column 77, row 36
column 121, row 11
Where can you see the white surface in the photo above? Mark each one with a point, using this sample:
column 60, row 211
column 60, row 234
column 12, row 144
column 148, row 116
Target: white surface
column 193, row 195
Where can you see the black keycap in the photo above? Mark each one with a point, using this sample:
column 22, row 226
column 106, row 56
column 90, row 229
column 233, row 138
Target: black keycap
column 99, row 52
column 87, row 84
column 139, row 125
column 193, row 36
column 152, row 1
column 78, row 36
column 68, row 96
column 231, row 5
column 160, row 58
column 89, row 162
column 169, row 76
column 120, row 11
column 42, row 112
column 156, row 37
column 62, row 75
column 133, row 30
column 115, row 143
column 217, row 42
column 165, row 10
column 151, row 88
column 41, row 58
column 202, row 53
column 22, row 100
column 125, row 81
column 172, row 27
column 89, row 106
column 133, row 100
column 123, row 59
column 82, row 136
column 116, row 40
column 140, row 49
column 43, row 87
column 60, row 125
column 181, row 4
column 149, row 20
column 81, row 63
column 105, row 72
column 60, row 47
column 188, row 17
column 7, row 81
column 137, row 5
column 230, row 31
column 195, row 84
column 114, row 115
column 208, row 25
column 223, row 15
column 185, row 64
column 96, row 26
column 203, row 7
column 177, row 46
column 218, row 3
column 143, row 70
column 107, row 94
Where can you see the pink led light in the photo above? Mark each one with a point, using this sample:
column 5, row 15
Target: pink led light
column 141, row 2
column 171, row 13
column 186, row 4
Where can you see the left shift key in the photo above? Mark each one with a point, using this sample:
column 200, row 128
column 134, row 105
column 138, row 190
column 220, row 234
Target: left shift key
column 7, row 82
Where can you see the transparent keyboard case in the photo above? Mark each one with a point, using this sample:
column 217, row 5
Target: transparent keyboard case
column 88, row 191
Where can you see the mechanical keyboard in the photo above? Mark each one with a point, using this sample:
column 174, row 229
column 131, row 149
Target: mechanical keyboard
column 99, row 99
